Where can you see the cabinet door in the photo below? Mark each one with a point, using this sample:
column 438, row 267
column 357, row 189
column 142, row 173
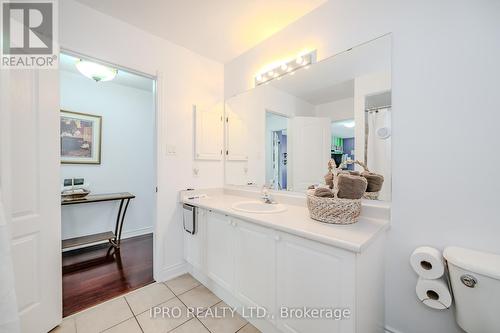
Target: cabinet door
column 255, row 265
column 236, row 137
column 220, row 249
column 209, row 133
column 194, row 245
column 315, row 276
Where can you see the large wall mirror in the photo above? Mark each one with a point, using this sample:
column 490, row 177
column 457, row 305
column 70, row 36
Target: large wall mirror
column 283, row 133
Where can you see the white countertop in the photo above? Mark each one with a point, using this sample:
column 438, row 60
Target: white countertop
column 295, row 220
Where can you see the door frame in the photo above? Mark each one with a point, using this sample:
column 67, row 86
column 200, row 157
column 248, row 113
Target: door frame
column 158, row 134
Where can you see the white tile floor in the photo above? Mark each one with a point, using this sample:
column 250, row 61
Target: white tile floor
column 131, row 313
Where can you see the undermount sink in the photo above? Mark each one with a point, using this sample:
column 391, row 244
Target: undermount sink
column 258, row 207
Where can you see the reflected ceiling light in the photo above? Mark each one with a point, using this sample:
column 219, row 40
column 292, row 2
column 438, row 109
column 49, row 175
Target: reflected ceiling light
column 349, row 124
column 288, row 67
column 96, row 72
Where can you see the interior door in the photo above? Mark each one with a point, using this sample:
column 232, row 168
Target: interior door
column 311, row 149
column 29, row 161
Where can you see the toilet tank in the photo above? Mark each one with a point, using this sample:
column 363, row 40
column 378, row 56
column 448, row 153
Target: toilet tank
column 475, row 281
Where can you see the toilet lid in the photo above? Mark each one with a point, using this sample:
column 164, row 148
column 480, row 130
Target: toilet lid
column 483, row 263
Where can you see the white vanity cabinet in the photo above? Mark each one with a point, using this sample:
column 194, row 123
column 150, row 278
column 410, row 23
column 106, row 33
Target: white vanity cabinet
column 316, row 276
column 255, row 269
column 219, row 247
column 250, row 265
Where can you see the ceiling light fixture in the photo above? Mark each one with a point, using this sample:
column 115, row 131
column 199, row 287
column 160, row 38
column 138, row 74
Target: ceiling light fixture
column 287, row 67
column 96, row 72
column 349, row 124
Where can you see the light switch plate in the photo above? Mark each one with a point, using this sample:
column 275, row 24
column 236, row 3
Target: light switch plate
column 171, row 150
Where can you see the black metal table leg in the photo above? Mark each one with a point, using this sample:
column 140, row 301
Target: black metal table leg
column 114, row 241
column 119, row 224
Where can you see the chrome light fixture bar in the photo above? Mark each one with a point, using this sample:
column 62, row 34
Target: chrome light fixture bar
column 287, row 67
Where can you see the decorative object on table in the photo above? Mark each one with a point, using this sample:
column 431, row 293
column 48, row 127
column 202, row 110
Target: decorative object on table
column 74, row 189
column 77, row 194
column 333, row 209
column 80, row 138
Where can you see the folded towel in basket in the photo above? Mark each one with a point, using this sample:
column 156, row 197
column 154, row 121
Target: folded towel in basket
column 375, row 181
column 323, row 192
column 351, row 186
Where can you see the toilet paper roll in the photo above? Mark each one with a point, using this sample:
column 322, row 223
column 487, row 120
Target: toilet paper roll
column 427, row 262
column 434, row 293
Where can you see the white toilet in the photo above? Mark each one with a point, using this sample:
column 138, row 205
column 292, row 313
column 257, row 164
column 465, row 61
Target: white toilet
column 475, row 281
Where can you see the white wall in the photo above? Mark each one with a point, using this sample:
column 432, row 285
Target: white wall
column 127, row 155
column 341, row 109
column 186, row 79
column 444, row 67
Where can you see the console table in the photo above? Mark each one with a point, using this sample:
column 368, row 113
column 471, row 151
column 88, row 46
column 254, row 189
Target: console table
column 113, row 238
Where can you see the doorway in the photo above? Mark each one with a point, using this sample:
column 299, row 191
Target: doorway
column 276, row 151
column 108, row 148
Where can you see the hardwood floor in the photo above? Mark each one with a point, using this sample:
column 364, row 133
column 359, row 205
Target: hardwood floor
column 95, row 274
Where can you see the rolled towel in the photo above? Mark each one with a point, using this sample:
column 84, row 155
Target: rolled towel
column 311, row 187
column 323, row 192
column 375, row 181
column 354, row 173
column 351, row 187
column 329, row 179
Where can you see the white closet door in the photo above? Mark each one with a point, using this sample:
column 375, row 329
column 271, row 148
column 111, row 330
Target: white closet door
column 209, row 132
column 30, row 183
column 311, row 150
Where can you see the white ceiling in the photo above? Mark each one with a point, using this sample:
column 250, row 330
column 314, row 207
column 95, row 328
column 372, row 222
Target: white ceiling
column 218, row 29
column 124, row 78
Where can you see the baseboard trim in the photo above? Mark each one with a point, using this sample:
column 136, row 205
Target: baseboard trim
column 137, row 232
column 389, row 329
column 125, row 235
column 170, row 272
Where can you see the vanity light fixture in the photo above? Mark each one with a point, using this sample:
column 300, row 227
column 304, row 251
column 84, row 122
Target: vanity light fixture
column 287, row 67
column 96, row 72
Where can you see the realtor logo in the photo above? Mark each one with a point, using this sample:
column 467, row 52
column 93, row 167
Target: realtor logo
column 28, row 34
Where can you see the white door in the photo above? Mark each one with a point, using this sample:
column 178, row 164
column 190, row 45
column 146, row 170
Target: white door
column 30, row 184
column 220, row 249
column 310, row 151
column 255, row 265
column 315, row 276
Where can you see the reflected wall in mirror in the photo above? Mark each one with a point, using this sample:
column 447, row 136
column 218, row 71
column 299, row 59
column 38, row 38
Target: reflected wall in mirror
column 282, row 134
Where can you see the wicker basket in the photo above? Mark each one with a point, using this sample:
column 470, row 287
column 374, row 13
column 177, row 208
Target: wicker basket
column 367, row 195
column 333, row 210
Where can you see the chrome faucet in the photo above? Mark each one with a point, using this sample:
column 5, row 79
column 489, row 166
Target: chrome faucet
column 266, row 196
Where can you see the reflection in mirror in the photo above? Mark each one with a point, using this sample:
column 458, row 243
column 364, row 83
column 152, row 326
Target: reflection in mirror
column 283, row 133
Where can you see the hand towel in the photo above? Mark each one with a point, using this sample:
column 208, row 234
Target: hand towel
column 375, row 181
column 351, row 187
column 323, row 192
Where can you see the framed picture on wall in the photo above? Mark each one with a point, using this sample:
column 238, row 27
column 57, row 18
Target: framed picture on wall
column 80, row 138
